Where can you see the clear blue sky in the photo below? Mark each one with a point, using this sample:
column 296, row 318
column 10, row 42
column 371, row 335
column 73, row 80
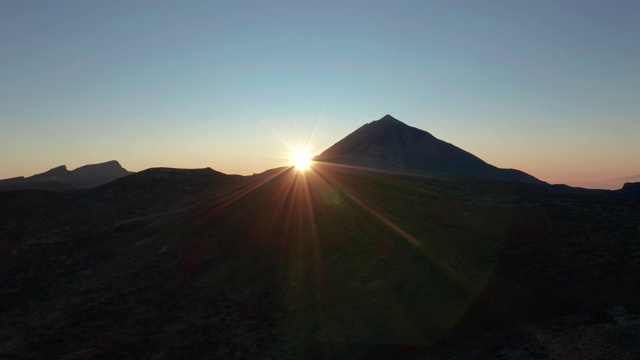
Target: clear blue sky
column 548, row 87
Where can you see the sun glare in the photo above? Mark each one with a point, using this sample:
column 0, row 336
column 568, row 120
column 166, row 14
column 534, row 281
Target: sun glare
column 301, row 160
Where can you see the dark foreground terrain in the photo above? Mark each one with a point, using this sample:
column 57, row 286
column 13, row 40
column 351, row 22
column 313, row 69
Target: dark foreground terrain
column 195, row 264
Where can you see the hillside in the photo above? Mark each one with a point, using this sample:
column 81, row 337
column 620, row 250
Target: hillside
column 319, row 264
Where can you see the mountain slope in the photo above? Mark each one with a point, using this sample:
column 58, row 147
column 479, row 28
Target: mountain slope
column 20, row 183
column 327, row 264
column 161, row 188
column 90, row 176
column 390, row 144
column 62, row 179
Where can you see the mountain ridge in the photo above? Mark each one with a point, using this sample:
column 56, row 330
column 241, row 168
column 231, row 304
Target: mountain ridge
column 60, row 178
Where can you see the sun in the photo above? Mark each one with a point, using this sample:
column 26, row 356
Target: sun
column 301, row 160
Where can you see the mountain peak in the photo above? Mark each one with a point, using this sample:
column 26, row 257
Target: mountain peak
column 391, row 145
column 61, row 168
column 105, row 166
column 389, row 118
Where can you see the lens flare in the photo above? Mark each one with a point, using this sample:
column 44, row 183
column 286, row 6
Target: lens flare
column 301, row 160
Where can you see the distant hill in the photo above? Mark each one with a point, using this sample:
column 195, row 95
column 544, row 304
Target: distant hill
column 630, row 190
column 146, row 179
column 609, row 183
column 62, row 179
column 389, row 144
column 167, row 185
column 630, row 179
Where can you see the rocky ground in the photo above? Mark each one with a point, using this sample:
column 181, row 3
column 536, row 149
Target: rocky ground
column 197, row 264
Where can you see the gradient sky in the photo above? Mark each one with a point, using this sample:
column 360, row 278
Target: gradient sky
column 548, row 87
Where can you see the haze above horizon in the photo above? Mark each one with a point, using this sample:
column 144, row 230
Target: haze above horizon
column 547, row 87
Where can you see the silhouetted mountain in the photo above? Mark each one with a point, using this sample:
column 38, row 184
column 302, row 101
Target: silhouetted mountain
column 611, row 183
column 162, row 187
column 631, row 190
column 90, row 176
column 61, row 179
column 55, row 174
column 389, row 144
column 163, row 179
